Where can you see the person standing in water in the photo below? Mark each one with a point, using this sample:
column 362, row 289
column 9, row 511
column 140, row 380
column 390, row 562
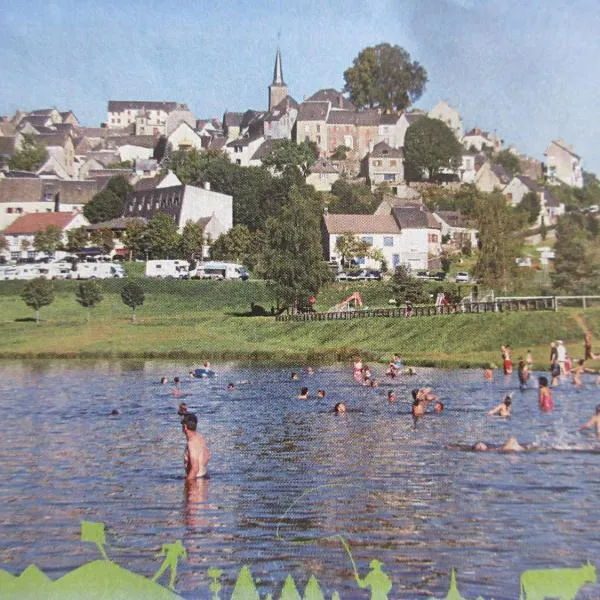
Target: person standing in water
column 593, row 422
column 197, row 454
column 546, row 403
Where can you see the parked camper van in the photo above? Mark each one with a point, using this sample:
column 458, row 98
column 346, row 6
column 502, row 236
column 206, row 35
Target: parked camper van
column 85, row 270
column 221, row 270
column 168, row 269
column 56, row 270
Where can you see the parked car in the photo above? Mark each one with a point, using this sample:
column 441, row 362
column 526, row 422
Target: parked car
column 462, row 277
column 439, row 276
column 422, row 275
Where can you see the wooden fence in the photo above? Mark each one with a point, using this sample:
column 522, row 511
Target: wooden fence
column 503, row 305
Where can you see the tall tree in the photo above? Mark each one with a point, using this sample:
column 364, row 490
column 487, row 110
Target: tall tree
column 509, row 161
column 161, row 236
column 292, row 258
column 108, row 204
column 384, row 76
column 352, row 198
column 430, row 147
column 577, row 257
column 239, row 245
column 191, row 241
column 287, row 154
column 76, row 239
column 530, row 206
column 407, row 288
column 133, row 296
column 37, row 293
column 498, row 245
column 104, row 238
column 133, row 237
column 30, row 157
column 351, row 246
column 48, row 240
column 88, row 294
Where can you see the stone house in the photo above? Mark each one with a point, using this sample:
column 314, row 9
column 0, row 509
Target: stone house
column 550, row 207
column 563, row 164
column 456, row 227
column 449, row 116
column 323, row 174
column 357, row 130
column 385, row 164
column 147, row 117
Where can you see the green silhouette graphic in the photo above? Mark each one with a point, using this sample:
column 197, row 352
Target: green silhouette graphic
column 312, row 591
column 555, row 583
column 453, row 593
column 94, row 532
column 335, row 596
column 290, row 591
column 377, row 580
column 172, row 553
column 215, row 585
column 244, row 586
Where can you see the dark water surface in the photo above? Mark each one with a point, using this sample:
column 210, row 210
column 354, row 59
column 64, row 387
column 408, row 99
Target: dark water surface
column 288, row 476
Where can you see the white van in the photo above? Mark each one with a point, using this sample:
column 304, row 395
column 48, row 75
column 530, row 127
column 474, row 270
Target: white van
column 168, row 269
column 56, row 270
column 85, row 270
column 26, row 272
column 221, row 270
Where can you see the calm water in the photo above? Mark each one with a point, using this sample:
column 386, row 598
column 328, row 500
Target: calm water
column 287, row 476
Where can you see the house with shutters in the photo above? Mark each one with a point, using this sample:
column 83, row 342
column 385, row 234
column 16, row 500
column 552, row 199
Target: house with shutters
column 385, row 165
column 323, row 174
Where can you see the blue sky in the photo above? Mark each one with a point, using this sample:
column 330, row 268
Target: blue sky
column 526, row 69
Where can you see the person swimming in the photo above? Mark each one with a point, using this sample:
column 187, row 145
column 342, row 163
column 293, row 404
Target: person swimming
column 339, row 408
column 438, row 407
column 294, row 376
column 303, row 394
column 164, row 380
column 391, row 396
column 511, row 445
column 231, row 387
column 503, row 409
column 321, row 393
column 182, row 410
column 593, row 422
column 417, row 410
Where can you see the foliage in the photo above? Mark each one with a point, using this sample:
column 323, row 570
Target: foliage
column 3, row 242
column 30, row 157
column 464, row 199
column 48, row 240
column 239, row 245
column 350, row 198
column 89, row 294
column 124, row 164
column 191, row 240
column 292, row 256
column 407, row 288
column 25, row 244
column 188, row 165
column 287, row 154
column 108, row 203
column 530, row 206
column 384, row 76
column 543, row 229
column 577, row 256
column 103, row 238
column 350, row 246
column 509, row 161
column 430, row 147
column 76, row 239
column 37, row 293
column 575, row 198
column 133, row 296
column 161, row 238
column 133, row 237
column 498, row 244
column 340, row 153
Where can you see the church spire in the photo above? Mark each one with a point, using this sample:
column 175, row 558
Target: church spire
column 278, row 71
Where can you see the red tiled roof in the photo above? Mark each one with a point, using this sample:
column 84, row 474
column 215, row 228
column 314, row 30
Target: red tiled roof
column 34, row 222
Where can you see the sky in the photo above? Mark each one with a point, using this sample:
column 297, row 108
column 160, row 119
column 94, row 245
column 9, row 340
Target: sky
column 524, row 69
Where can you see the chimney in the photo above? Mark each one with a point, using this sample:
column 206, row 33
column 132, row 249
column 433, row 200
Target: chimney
column 57, row 202
column 340, row 100
column 207, row 186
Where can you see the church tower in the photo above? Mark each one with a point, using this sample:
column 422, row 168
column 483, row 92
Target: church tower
column 277, row 90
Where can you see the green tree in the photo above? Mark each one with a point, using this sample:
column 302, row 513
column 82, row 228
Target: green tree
column 543, row 229
column 25, row 244
column 577, row 258
column 498, row 244
column 161, row 237
column 530, row 206
column 239, row 245
column 133, row 296
column 108, row 204
column 292, row 258
column 384, row 76
column 103, row 238
column 407, row 288
column 350, row 198
column 3, row 242
column 287, row 154
column 37, row 293
column 76, row 239
column 88, row 295
column 509, row 161
column 30, row 157
column 430, row 147
column 191, row 241
column 350, row 246
column 48, row 240
column 340, row 153
column 189, row 165
column 133, row 237
column 123, row 164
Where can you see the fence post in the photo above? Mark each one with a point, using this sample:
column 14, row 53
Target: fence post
column 584, row 306
column 555, row 302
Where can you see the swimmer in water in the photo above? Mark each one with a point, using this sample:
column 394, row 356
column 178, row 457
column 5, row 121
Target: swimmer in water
column 593, row 422
column 488, row 374
column 310, row 371
column 391, row 396
column 176, row 391
column 114, row 412
column 303, row 394
column 231, row 387
column 339, row 408
column 545, row 395
column 438, row 407
column 182, row 410
column 502, row 410
column 417, row 409
column 197, row 454
column 321, row 394
column 164, row 380
column 207, row 364
column 424, row 394
column 511, row 445
column 294, row 376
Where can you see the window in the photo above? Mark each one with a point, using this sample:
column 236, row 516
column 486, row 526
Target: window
column 238, row 162
column 395, row 260
column 432, row 237
column 349, row 141
column 388, row 241
column 19, row 211
column 377, row 163
column 15, row 255
column 30, row 253
column 367, row 239
column 318, row 129
column 9, row 210
column 319, row 139
column 393, row 162
column 389, row 177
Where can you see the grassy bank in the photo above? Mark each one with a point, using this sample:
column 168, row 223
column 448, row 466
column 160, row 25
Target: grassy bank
column 194, row 319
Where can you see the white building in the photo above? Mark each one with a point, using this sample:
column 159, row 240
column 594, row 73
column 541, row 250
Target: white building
column 563, row 164
column 449, row 116
column 147, row 117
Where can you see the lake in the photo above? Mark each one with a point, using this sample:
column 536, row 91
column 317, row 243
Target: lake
column 289, row 476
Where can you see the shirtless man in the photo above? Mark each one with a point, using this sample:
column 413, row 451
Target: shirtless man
column 593, row 422
column 197, row 454
column 502, row 410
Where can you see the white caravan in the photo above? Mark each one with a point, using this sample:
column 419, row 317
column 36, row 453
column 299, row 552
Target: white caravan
column 86, row 270
column 168, row 269
column 221, row 270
